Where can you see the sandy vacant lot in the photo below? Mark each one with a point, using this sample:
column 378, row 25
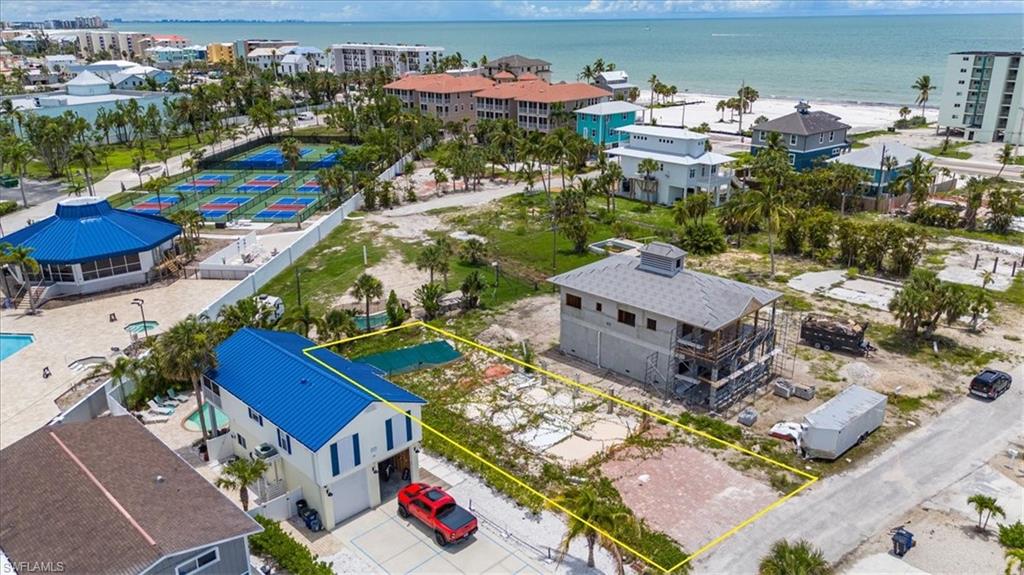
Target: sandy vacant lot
column 686, row 493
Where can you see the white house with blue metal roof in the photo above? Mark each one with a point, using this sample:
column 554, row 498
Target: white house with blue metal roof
column 88, row 247
column 334, row 438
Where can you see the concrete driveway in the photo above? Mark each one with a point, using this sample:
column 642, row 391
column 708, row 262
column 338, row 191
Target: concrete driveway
column 396, row 545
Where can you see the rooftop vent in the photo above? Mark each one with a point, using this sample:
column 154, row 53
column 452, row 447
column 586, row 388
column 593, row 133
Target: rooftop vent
column 802, row 106
column 661, row 258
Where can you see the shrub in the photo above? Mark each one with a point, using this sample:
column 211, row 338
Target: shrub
column 938, row 216
column 289, row 554
column 703, row 238
column 8, row 206
column 1012, row 536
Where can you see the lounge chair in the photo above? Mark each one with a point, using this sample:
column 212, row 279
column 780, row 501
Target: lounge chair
column 148, row 417
column 156, row 407
column 167, row 401
column 179, row 397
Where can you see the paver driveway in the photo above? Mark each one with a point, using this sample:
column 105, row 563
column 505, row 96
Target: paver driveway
column 396, row 545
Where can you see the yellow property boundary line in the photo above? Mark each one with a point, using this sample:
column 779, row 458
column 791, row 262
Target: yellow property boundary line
column 811, row 479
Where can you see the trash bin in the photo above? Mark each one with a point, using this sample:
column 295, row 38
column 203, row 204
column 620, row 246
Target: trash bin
column 902, row 541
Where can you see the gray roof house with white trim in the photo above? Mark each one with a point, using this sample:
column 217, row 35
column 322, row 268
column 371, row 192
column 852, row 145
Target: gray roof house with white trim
column 700, row 338
column 878, row 176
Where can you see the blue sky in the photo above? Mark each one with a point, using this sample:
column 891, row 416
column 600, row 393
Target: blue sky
column 453, row 10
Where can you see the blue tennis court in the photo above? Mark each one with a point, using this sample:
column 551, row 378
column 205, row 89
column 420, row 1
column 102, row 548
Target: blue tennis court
column 271, row 158
column 203, row 183
column 262, row 183
column 284, row 208
column 222, row 206
column 154, row 205
column 310, row 187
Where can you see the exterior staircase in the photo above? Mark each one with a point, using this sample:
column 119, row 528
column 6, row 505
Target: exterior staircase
column 37, row 293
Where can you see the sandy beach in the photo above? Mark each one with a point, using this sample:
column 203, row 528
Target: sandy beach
column 862, row 117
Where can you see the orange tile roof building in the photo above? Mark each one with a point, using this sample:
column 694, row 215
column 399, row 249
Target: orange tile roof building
column 532, row 104
column 446, row 97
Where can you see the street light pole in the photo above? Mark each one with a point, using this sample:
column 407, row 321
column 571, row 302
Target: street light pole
column 298, row 286
column 141, row 303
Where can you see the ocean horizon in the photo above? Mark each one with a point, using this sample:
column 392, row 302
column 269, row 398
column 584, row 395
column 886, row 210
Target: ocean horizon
column 862, row 59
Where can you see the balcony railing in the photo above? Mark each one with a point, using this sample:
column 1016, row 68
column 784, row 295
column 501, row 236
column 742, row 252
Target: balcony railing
column 711, row 348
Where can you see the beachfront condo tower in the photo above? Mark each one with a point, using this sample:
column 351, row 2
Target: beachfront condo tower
column 982, row 101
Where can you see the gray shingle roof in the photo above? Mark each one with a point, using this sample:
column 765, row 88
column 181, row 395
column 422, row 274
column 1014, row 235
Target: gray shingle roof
column 515, row 61
column 803, row 124
column 694, row 298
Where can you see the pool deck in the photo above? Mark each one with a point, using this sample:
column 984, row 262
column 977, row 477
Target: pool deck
column 65, row 334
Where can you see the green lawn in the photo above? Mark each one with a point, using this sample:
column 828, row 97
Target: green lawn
column 118, row 157
column 857, row 140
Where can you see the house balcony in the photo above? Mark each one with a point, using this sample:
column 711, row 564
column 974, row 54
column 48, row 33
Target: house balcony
column 716, row 347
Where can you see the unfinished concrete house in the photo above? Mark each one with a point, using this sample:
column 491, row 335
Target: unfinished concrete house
column 696, row 337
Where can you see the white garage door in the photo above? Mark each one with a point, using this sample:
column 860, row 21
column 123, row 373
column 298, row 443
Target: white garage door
column 351, row 495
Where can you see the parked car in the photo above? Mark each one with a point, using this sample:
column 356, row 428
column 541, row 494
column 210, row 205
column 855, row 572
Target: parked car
column 438, row 511
column 990, row 383
column 306, row 115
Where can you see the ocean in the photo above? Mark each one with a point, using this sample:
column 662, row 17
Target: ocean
column 866, row 59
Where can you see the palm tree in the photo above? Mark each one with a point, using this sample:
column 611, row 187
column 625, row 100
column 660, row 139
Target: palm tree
column 137, row 160
column 1005, row 156
column 612, row 177
column 430, row 258
column 440, row 177
column 653, row 81
column 290, row 152
column 304, row 320
column 367, row 288
column 429, row 297
column 186, row 352
column 123, row 368
column 647, row 167
column 768, row 203
column 240, row 474
column 924, row 86
column 592, row 518
column 917, row 177
column 21, row 257
column 18, row 153
column 471, row 288
column 85, row 155
column 474, row 251
column 339, row 323
column 904, row 112
column 1014, row 558
column 986, row 507
column 846, row 177
column 800, row 558
column 721, row 106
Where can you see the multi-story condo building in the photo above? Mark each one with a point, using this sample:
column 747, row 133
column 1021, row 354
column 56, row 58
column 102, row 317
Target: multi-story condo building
column 290, row 60
column 703, row 339
column 117, row 44
column 220, row 53
column 167, row 40
column 402, row 58
column 537, row 105
column 243, row 47
column 685, row 166
column 518, row 65
column 808, row 136
column 446, row 97
column 981, row 97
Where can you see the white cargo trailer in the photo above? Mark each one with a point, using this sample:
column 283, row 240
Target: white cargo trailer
column 840, row 423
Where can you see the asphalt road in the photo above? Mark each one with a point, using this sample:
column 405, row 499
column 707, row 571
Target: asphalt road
column 839, row 513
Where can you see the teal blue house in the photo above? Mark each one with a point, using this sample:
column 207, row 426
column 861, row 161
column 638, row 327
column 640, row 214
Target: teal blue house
column 598, row 123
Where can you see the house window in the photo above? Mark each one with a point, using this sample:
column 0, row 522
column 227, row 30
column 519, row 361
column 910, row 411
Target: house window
column 835, row 151
column 284, row 441
column 335, row 463
column 627, row 318
column 821, row 138
column 760, row 136
column 356, row 456
column 792, row 139
column 792, row 159
column 390, row 435
column 408, row 426
column 831, row 136
column 255, row 417
column 198, row 563
column 597, row 306
column 693, row 172
column 652, row 324
column 573, row 301
column 241, row 441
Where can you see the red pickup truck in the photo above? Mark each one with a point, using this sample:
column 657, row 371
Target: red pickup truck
column 438, row 511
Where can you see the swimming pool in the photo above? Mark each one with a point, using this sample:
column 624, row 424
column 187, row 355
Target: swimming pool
column 10, row 343
column 377, row 320
column 141, row 326
column 213, row 414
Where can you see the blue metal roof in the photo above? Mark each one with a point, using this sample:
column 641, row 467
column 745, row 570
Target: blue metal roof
column 86, row 229
column 267, row 371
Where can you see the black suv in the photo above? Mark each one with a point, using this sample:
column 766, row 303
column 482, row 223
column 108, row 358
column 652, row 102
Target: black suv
column 991, row 383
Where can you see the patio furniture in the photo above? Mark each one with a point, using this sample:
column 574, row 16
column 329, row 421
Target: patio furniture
column 148, row 417
column 179, row 397
column 167, row 401
column 159, row 408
